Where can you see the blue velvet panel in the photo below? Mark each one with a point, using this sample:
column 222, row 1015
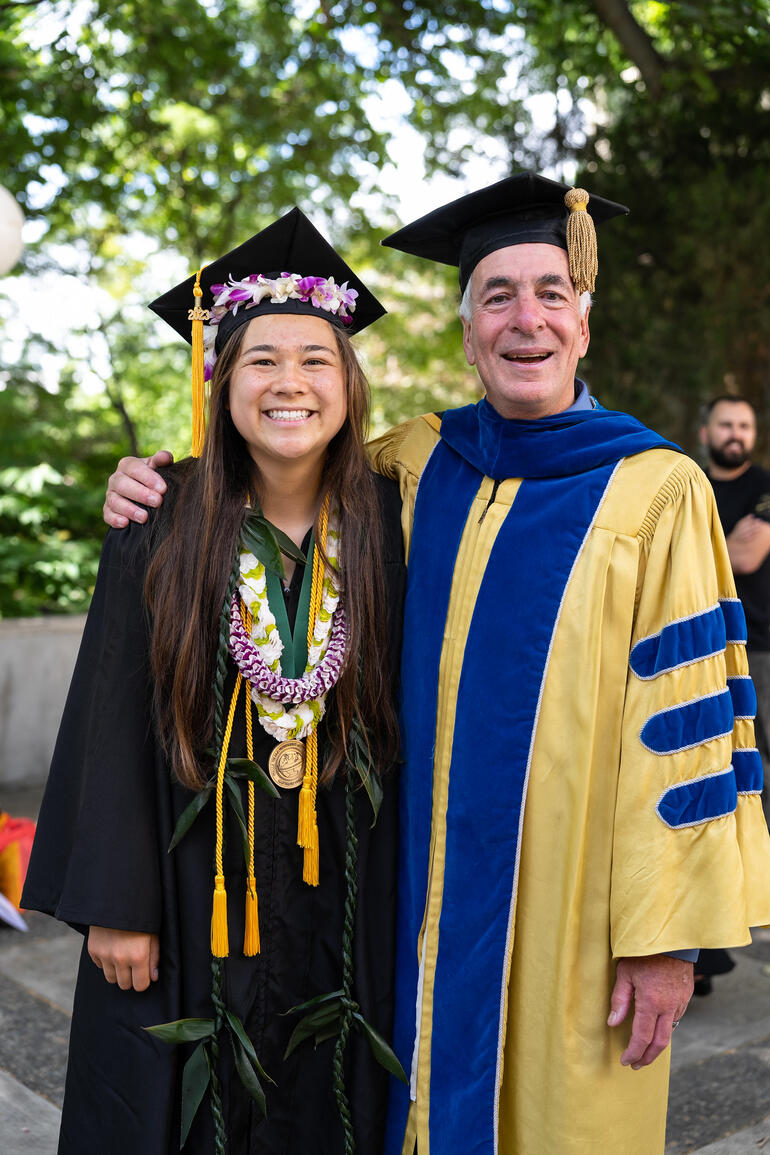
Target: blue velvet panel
column 735, row 620
column 688, row 725
column 679, row 644
column 702, row 800
column 749, row 774
column 744, row 697
column 526, row 573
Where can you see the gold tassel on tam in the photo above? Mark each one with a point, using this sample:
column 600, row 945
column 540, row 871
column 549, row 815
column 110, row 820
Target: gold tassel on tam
column 197, row 316
column 581, row 241
column 220, row 946
column 307, row 824
column 251, row 943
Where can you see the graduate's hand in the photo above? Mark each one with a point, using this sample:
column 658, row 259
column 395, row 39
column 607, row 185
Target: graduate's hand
column 135, row 480
column 128, row 958
column 660, row 988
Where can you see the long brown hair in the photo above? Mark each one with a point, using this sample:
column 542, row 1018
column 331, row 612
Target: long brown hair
column 194, row 555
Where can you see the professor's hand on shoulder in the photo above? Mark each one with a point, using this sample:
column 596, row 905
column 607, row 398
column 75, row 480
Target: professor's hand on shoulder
column 135, row 480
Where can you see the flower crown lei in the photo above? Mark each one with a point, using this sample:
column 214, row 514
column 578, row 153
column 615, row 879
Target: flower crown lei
column 320, row 292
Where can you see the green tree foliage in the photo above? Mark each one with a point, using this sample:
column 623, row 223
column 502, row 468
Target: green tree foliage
column 136, row 129
column 186, row 126
column 680, row 132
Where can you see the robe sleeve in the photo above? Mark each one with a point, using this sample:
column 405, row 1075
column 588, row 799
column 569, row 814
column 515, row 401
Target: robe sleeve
column 691, row 854
column 95, row 859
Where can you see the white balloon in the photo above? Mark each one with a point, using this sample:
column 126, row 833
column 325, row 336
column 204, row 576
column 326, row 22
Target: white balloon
column 11, row 221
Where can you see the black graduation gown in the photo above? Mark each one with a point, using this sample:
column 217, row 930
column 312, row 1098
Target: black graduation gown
column 100, row 858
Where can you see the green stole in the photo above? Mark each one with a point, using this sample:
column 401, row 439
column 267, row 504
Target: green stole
column 294, row 656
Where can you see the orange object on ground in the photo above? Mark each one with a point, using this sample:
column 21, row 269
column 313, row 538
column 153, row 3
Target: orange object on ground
column 16, row 836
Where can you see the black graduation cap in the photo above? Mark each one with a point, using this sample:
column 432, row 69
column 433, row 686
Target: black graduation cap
column 522, row 209
column 289, row 245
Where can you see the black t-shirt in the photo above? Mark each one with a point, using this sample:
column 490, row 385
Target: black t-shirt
column 749, row 493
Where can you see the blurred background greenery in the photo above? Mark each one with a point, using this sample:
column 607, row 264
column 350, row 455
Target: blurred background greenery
column 144, row 138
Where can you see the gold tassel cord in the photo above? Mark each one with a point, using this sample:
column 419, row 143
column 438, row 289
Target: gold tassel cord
column 251, row 943
column 197, row 316
column 307, row 826
column 581, row 241
column 220, row 946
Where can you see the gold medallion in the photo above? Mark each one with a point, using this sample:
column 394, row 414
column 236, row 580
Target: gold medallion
column 287, row 764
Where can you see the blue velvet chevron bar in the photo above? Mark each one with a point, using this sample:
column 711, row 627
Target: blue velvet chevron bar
column 700, row 800
column 735, row 620
column 743, row 696
column 680, row 643
column 749, row 773
column 688, row 725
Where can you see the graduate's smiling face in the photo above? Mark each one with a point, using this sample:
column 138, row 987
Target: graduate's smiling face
column 526, row 335
column 287, row 395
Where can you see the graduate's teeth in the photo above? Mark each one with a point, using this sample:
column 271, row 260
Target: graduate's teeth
column 288, row 414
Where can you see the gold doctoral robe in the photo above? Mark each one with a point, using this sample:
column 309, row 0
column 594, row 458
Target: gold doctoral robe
column 641, row 820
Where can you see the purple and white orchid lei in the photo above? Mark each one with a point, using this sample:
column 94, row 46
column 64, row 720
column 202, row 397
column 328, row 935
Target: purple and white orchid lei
column 312, row 685
column 321, row 292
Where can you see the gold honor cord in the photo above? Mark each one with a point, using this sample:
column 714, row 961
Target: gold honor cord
column 307, row 823
column 220, row 946
column 251, row 944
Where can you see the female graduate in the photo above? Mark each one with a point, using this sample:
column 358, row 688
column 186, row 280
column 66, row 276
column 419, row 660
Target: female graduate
column 209, row 817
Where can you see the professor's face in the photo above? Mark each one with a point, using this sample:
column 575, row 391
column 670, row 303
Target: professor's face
column 525, row 336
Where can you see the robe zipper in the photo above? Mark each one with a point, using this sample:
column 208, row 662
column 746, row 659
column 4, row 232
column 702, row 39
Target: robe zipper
column 491, row 501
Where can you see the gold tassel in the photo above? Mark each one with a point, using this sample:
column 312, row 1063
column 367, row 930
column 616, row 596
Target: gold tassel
column 198, row 315
column 581, row 241
column 306, row 817
column 220, row 946
column 251, row 944
column 310, row 859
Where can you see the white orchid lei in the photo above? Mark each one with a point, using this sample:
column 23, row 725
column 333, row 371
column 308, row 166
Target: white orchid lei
column 321, row 292
column 288, row 707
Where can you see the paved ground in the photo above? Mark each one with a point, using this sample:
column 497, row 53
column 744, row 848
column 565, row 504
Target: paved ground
column 720, row 1087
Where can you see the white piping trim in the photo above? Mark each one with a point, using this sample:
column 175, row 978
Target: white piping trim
column 418, row 1016
column 514, row 891
column 689, row 782
column 692, row 745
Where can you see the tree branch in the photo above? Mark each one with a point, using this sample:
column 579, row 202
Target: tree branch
column 634, row 41
column 119, row 405
column 6, row 5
